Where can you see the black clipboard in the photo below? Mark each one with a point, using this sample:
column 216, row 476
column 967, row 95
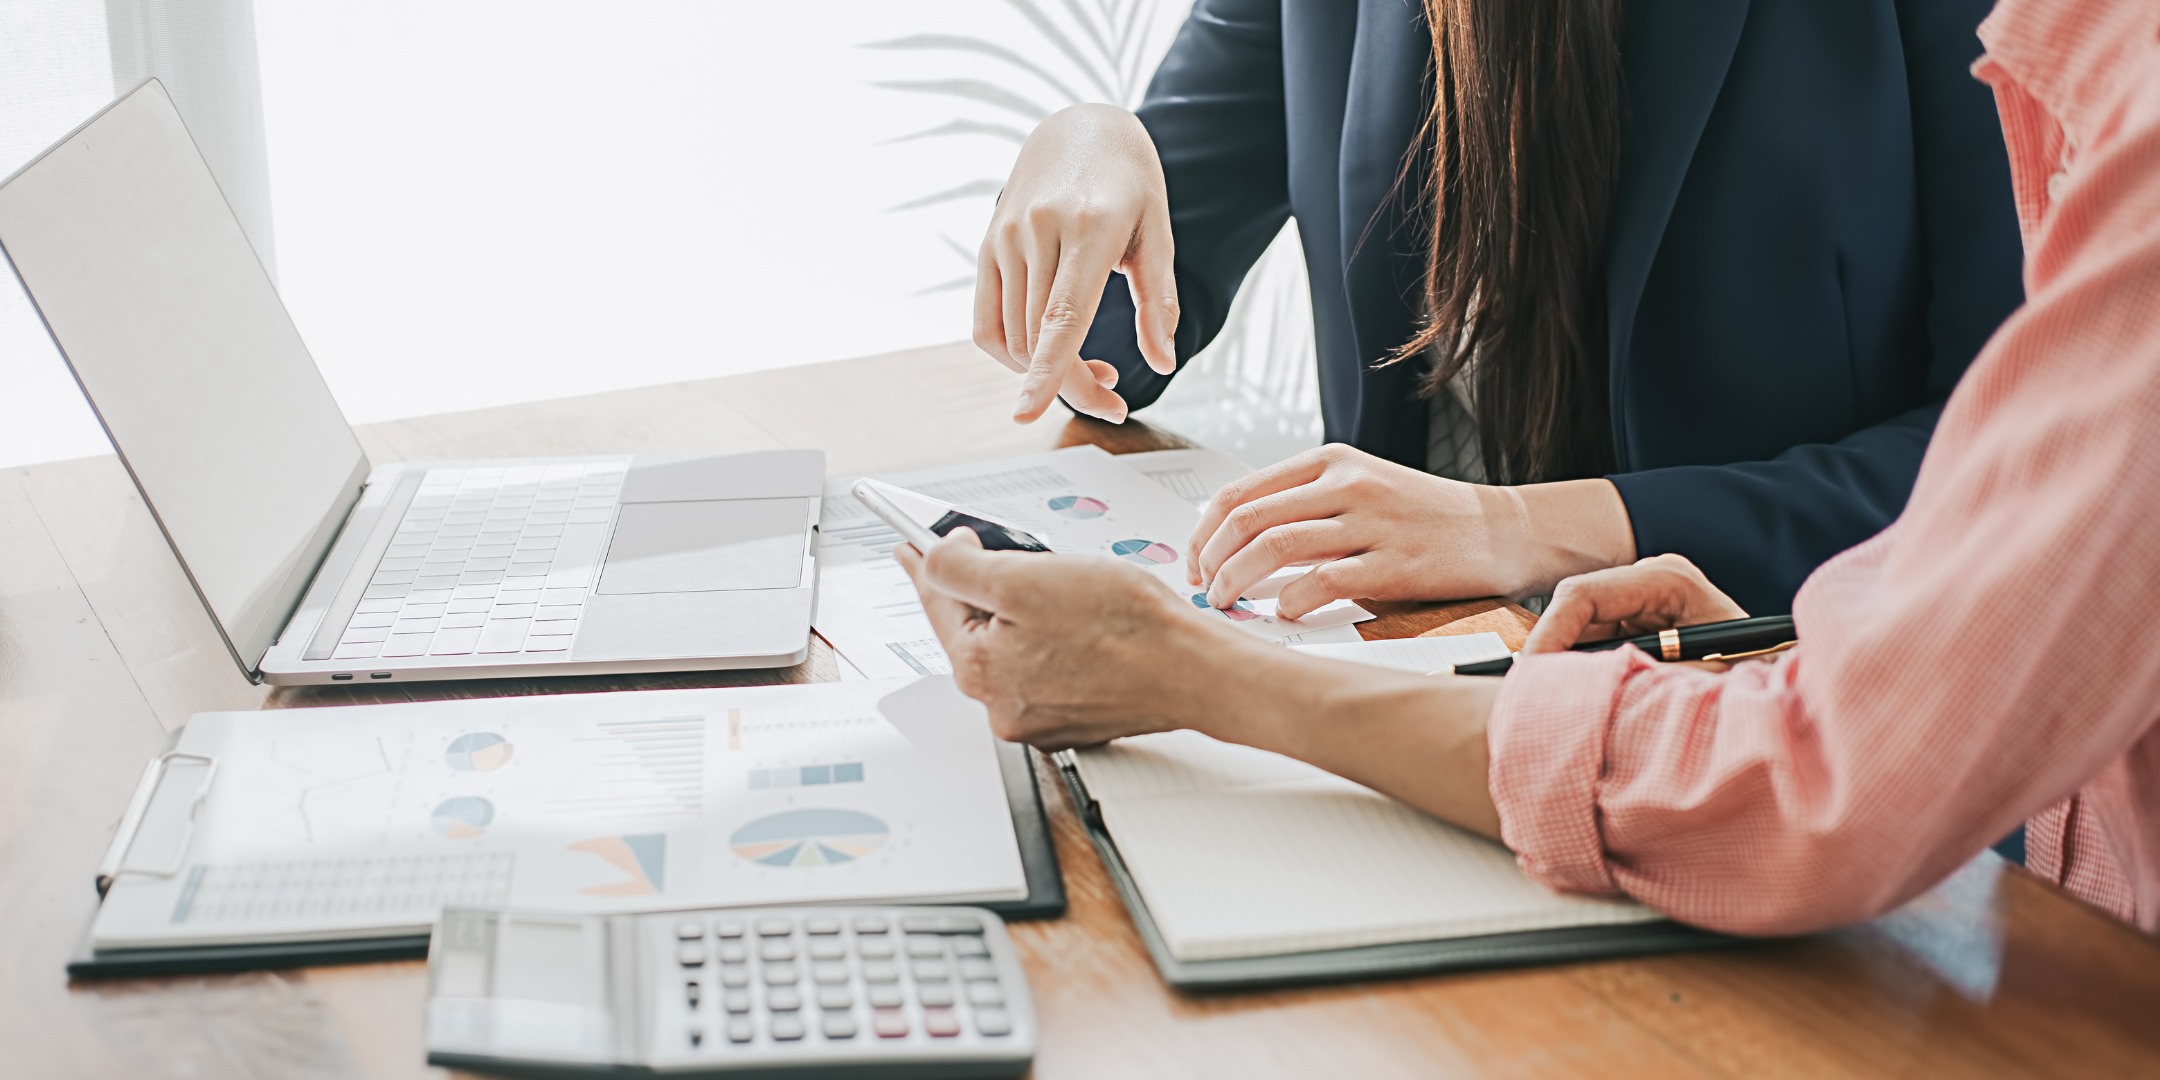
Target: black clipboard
column 1373, row 961
column 1031, row 828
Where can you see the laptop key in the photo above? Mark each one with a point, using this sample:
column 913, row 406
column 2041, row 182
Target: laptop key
column 454, row 641
column 502, row 636
column 407, row 645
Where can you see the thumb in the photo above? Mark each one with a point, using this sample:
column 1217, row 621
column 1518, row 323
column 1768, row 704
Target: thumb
column 959, row 567
column 1150, row 271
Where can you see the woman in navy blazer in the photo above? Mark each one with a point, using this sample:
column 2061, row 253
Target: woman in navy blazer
column 1810, row 234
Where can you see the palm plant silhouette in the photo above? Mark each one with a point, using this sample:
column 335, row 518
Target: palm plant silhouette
column 1104, row 49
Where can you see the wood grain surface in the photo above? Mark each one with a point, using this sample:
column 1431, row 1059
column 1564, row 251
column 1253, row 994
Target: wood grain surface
column 104, row 651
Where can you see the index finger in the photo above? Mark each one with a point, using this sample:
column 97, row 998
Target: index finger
column 1075, row 292
column 1282, row 476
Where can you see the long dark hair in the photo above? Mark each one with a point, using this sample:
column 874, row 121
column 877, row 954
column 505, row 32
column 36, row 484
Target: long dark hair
column 1522, row 147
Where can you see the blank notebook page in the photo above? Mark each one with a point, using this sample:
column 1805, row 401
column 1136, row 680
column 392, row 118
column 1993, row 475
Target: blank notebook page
column 1241, row 852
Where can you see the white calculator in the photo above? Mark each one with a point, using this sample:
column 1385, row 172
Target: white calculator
column 880, row 993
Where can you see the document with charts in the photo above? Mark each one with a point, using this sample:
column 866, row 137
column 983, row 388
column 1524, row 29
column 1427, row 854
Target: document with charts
column 361, row 821
column 1079, row 500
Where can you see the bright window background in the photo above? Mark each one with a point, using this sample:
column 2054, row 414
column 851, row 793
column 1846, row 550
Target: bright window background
column 485, row 202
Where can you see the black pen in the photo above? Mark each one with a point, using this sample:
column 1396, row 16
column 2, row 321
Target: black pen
column 1735, row 639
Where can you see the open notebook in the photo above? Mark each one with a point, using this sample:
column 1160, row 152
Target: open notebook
column 1249, row 867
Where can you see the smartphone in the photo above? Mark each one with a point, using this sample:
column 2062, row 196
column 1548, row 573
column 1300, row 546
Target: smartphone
column 921, row 520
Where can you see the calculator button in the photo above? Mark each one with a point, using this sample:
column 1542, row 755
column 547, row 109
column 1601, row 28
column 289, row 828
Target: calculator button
column 993, row 1022
column 889, row 1024
column 934, row 993
column 739, row 1029
column 690, row 993
column 774, row 928
column 690, row 931
column 736, row 1001
column 734, row 975
column 885, row 995
column 776, row 950
column 931, row 971
column 691, row 954
column 941, row 924
column 727, row 928
column 783, row 999
column 974, row 968
column 827, row 950
column 875, row 948
column 779, row 974
column 829, row 971
column 838, row 1025
column 940, row 1023
column 697, row 1037
column 870, row 924
column 880, row 971
column 985, row 993
column 925, row 945
column 731, row 953
column 821, row 925
column 787, row 1027
column 835, row 997
column 970, row 946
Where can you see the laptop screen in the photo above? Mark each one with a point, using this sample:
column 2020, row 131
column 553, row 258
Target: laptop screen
column 174, row 330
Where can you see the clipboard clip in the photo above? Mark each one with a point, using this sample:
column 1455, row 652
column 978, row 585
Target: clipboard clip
column 150, row 795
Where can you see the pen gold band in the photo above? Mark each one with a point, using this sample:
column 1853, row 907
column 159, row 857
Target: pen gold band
column 1669, row 644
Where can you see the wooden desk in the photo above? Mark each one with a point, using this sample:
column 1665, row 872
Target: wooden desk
column 103, row 651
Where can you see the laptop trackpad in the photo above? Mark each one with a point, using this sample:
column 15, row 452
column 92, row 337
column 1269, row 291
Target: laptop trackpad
column 717, row 545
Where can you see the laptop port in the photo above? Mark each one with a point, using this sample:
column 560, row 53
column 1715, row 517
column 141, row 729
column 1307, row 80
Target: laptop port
column 380, row 675
column 342, row 677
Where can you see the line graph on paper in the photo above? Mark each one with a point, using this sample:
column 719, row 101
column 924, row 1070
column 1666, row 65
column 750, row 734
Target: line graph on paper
column 337, row 785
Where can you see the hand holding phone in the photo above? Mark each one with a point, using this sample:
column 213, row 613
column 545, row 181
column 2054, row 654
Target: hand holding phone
column 921, row 520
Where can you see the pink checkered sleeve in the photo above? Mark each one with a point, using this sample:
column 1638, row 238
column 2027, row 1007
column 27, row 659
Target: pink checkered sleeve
column 1992, row 655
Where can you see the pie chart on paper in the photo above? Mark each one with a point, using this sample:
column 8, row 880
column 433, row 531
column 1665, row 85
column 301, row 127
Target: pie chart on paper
column 462, row 817
column 810, row 837
column 481, row 751
column 1144, row 552
column 1079, row 506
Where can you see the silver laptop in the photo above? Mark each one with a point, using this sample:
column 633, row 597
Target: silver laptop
column 320, row 569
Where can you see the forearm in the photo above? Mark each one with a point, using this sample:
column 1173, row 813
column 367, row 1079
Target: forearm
column 1568, row 528
column 1416, row 738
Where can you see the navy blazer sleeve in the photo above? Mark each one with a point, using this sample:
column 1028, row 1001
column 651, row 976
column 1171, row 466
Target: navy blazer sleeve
column 1215, row 112
column 1759, row 529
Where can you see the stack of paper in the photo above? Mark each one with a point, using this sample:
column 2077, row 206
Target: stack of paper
column 1078, row 501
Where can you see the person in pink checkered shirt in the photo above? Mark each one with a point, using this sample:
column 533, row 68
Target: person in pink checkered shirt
column 1992, row 657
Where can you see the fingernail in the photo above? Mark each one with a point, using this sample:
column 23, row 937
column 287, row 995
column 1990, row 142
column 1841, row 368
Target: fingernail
column 1027, row 401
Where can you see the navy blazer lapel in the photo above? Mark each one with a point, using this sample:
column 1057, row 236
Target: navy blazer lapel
column 1382, row 259
column 1676, row 54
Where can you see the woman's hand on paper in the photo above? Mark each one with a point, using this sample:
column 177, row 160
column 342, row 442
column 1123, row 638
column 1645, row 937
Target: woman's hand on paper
column 1064, row 650
column 1085, row 197
column 1657, row 593
column 1383, row 531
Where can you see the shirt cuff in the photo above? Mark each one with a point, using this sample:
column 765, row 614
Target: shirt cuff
column 1546, row 736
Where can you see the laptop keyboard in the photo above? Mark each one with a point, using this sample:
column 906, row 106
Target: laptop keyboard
column 487, row 561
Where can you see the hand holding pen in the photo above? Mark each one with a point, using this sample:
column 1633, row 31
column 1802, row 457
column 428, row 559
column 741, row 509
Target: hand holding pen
column 1663, row 605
